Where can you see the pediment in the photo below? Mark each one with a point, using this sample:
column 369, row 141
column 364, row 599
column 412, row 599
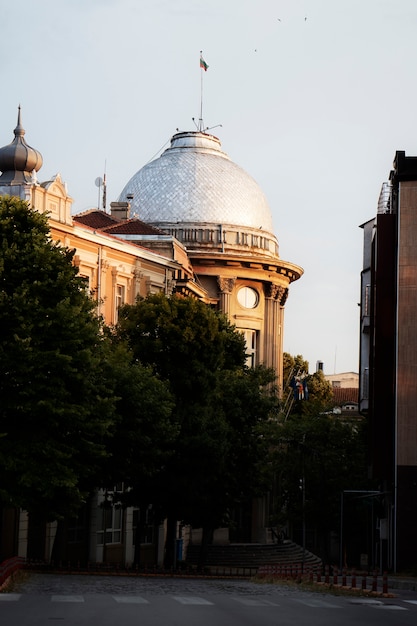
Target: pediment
column 56, row 186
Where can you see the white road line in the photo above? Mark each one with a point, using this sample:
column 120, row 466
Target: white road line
column 255, row 602
column 378, row 604
column 390, row 607
column 410, row 601
column 191, row 600
column 369, row 601
column 67, row 599
column 319, row 604
column 10, row 597
column 130, row 600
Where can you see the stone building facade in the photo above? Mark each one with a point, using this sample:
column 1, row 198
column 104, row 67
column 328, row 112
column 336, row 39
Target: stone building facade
column 190, row 222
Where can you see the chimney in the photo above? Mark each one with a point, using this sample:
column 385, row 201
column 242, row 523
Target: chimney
column 120, row 210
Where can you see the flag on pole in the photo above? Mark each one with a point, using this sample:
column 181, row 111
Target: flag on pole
column 104, row 192
column 203, row 64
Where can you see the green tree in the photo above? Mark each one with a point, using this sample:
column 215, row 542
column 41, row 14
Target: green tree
column 143, row 436
column 316, row 457
column 293, row 366
column 185, row 341
column 202, row 357
column 143, row 431
column 318, row 396
column 56, row 404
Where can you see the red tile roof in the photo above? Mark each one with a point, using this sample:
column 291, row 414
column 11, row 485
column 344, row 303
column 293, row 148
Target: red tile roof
column 94, row 218
column 132, row 227
column 99, row 220
column 345, row 395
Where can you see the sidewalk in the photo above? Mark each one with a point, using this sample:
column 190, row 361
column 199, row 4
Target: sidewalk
column 402, row 582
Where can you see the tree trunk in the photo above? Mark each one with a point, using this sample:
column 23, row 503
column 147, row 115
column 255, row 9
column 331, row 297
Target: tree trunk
column 170, row 542
column 36, row 537
column 59, row 551
column 138, row 535
column 206, row 540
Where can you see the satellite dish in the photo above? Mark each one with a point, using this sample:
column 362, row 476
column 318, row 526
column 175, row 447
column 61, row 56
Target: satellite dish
column 99, row 181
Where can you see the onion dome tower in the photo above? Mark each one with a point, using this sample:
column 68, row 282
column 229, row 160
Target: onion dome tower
column 197, row 194
column 18, row 161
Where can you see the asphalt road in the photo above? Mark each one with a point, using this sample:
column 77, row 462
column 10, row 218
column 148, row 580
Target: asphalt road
column 43, row 600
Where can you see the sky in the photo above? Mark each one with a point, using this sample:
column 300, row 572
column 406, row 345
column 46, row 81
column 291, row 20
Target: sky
column 311, row 97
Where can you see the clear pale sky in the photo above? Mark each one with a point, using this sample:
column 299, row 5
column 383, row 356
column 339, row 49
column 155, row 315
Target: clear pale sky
column 313, row 97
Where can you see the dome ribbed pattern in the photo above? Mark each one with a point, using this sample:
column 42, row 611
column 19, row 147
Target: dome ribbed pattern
column 195, row 181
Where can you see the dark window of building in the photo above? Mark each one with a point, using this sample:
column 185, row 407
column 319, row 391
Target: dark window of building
column 148, row 529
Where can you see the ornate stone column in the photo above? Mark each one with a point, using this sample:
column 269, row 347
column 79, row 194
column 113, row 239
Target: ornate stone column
column 137, row 279
column 225, row 287
column 275, row 297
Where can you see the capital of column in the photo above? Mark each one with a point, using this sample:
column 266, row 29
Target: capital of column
column 226, row 284
column 276, row 292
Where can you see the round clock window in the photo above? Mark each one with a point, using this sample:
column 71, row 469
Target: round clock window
column 248, row 297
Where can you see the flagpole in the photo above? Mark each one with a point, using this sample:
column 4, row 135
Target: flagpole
column 200, row 125
column 104, row 188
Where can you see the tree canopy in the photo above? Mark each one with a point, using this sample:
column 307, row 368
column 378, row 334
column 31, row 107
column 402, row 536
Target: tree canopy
column 143, row 433
column 317, row 394
column 219, row 405
column 56, row 405
column 315, row 456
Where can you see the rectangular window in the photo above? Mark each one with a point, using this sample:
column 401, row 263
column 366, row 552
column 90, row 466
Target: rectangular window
column 148, row 528
column 86, row 280
column 110, row 525
column 366, row 303
column 119, row 299
column 251, row 344
column 110, row 518
column 365, row 383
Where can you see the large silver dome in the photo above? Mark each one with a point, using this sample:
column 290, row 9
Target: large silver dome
column 195, row 181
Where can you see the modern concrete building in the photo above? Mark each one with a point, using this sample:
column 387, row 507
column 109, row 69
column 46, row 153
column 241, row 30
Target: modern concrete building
column 388, row 360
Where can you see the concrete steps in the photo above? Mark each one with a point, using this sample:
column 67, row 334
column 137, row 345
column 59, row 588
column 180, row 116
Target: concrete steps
column 252, row 555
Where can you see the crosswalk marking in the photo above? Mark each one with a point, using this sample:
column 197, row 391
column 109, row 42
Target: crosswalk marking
column 191, row 600
column 10, row 597
column 369, row 601
column 255, row 602
column 378, row 604
column 130, row 600
column 389, row 607
column 67, row 598
column 319, row 604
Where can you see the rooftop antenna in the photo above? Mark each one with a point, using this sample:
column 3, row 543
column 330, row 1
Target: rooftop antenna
column 104, row 188
column 101, row 182
column 98, row 182
column 203, row 68
column 207, row 127
column 211, row 127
